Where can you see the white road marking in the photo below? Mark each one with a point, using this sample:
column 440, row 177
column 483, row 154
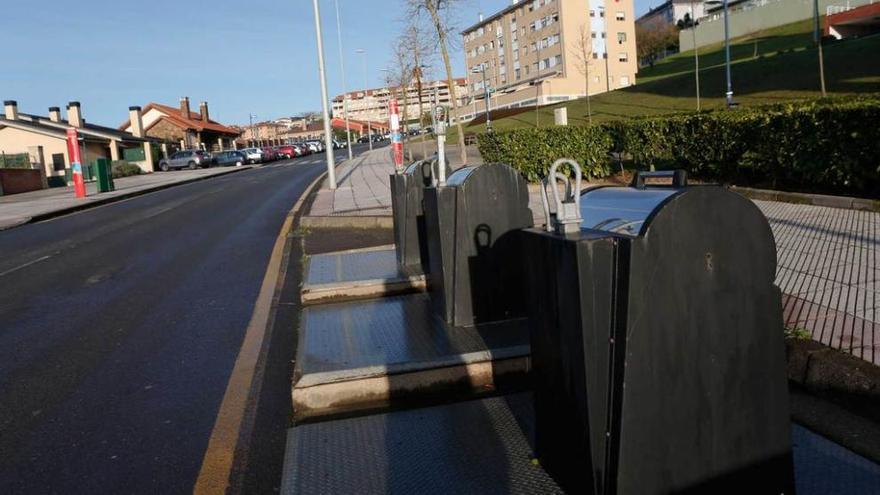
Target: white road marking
column 29, row 263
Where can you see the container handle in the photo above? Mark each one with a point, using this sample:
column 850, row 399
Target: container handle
column 565, row 219
column 679, row 178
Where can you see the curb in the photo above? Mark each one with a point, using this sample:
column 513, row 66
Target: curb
column 844, row 202
column 113, row 199
column 819, row 368
column 348, row 222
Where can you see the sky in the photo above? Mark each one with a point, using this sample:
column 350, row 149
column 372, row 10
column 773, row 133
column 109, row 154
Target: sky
column 243, row 57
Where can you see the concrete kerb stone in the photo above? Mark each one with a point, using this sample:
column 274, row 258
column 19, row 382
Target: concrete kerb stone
column 113, row 199
column 844, row 202
column 819, row 368
column 347, row 222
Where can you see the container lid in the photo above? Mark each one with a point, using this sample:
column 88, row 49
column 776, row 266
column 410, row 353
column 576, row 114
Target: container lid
column 622, row 210
column 459, row 176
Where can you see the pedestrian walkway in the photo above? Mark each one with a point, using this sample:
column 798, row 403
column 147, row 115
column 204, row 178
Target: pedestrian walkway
column 828, row 266
column 17, row 209
column 828, row 273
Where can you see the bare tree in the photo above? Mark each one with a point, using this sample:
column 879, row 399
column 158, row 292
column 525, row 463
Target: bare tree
column 416, row 47
column 438, row 10
column 400, row 79
column 582, row 49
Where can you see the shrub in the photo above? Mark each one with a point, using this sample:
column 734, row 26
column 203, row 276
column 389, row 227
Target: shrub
column 819, row 145
column 533, row 151
column 124, row 169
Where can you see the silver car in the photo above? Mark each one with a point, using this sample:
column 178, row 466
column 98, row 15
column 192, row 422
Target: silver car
column 190, row 159
column 254, row 155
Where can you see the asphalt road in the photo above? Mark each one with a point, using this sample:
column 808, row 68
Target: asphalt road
column 120, row 325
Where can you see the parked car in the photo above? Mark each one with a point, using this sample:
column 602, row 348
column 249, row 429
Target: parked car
column 254, row 155
column 314, row 146
column 364, row 139
column 231, row 158
column 303, row 149
column 269, row 154
column 190, row 159
column 286, row 151
column 338, row 145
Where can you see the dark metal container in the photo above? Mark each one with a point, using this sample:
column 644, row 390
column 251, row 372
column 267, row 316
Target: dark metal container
column 407, row 205
column 657, row 345
column 473, row 225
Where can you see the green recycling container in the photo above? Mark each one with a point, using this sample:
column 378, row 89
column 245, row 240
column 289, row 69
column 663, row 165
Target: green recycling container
column 104, row 173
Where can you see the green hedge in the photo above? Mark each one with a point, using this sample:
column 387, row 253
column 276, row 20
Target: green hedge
column 532, row 151
column 122, row 168
column 819, row 146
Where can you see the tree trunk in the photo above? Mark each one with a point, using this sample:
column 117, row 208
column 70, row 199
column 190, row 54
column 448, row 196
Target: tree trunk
column 444, row 52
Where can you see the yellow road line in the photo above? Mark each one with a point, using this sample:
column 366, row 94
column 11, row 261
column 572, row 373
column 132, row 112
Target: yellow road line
column 217, row 465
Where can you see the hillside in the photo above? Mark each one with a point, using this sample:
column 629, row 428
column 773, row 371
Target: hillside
column 784, row 69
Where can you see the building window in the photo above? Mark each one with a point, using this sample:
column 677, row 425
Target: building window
column 622, row 57
column 517, row 74
column 621, row 37
column 58, row 162
column 592, row 13
column 593, row 34
column 620, row 16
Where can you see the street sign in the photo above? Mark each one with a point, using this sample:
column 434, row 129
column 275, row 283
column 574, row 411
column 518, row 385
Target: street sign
column 396, row 138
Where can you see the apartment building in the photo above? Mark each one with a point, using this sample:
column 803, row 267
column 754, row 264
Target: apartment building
column 371, row 105
column 536, row 52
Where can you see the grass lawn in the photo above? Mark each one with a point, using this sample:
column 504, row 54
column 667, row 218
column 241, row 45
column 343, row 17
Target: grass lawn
column 851, row 67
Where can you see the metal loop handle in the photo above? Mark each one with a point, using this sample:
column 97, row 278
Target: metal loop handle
column 575, row 193
column 679, row 178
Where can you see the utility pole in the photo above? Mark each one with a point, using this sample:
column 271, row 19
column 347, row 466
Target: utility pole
column 328, row 142
column 817, row 37
column 253, row 130
column 486, row 94
column 344, row 86
column 696, row 51
column 369, row 124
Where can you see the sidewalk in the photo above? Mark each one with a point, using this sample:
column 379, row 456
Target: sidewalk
column 18, row 209
column 828, row 263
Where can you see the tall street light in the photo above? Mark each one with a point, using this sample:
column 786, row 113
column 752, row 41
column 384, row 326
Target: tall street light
column 817, row 37
column 729, row 93
column 696, row 51
column 363, row 52
column 344, row 86
column 328, row 141
column 481, row 69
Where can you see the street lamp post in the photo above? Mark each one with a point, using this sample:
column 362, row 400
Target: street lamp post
column 369, row 125
column 344, row 86
column 729, row 93
column 331, row 161
column 696, row 51
column 481, row 69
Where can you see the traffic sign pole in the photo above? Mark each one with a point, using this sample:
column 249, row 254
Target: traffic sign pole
column 396, row 138
column 79, row 185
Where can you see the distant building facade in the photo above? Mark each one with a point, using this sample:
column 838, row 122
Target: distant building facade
column 536, row 52
column 371, row 105
column 671, row 12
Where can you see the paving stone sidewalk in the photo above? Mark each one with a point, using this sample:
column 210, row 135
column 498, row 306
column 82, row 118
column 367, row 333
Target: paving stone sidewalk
column 18, row 209
column 828, row 266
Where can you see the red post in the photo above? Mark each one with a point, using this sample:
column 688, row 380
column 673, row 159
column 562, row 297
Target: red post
column 396, row 140
column 79, row 186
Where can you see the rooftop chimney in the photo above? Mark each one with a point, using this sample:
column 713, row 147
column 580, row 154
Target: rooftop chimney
column 74, row 114
column 137, row 123
column 55, row 114
column 184, row 107
column 11, row 107
column 481, row 17
column 203, row 108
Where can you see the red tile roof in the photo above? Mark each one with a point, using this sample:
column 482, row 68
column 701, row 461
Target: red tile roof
column 195, row 120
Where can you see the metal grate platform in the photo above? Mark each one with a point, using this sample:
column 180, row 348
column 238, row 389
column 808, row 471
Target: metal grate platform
column 371, row 354
column 357, row 274
column 396, row 331
column 471, row 447
column 486, row 447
